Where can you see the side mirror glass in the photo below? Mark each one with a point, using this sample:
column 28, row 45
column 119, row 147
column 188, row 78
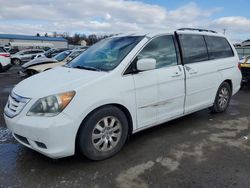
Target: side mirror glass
column 146, row 64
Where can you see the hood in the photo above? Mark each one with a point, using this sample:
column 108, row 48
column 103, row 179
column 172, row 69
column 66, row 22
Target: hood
column 56, row 81
column 38, row 61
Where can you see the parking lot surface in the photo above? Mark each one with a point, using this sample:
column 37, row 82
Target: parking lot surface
column 198, row 150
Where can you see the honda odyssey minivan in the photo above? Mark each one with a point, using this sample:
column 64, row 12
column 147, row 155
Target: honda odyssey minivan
column 119, row 86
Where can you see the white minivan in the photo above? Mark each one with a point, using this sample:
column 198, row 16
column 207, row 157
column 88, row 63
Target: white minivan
column 119, row 86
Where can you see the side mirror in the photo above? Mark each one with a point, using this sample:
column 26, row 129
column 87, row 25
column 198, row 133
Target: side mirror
column 146, row 64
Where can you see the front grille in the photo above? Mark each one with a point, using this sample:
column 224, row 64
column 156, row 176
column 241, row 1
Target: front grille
column 15, row 105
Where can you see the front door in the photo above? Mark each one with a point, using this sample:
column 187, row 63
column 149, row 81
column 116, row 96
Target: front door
column 160, row 92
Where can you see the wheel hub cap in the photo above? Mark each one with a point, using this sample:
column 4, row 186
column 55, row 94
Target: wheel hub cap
column 223, row 98
column 106, row 133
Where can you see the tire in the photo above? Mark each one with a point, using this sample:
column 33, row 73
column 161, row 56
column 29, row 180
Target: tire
column 1, row 68
column 31, row 72
column 222, row 99
column 16, row 61
column 101, row 127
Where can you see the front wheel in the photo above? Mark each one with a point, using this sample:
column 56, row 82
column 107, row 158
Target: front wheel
column 103, row 134
column 222, row 99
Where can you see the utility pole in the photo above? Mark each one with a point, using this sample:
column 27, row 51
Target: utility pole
column 224, row 31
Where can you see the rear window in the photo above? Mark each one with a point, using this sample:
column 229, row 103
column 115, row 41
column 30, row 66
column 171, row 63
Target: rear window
column 218, row 47
column 194, row 48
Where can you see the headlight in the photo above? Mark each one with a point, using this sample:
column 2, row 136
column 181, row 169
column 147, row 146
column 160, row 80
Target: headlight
column 51, row 105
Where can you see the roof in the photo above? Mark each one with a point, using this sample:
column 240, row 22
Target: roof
column 28, row 37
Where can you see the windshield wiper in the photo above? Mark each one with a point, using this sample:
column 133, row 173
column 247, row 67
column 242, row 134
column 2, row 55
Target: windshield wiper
column 87, row 68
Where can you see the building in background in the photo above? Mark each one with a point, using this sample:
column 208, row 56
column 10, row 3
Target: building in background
column 25, row 40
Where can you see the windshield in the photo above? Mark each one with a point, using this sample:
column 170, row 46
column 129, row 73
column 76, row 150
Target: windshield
column 61, row 56
column 75, row 54
column 48, row 52
column 106, row 54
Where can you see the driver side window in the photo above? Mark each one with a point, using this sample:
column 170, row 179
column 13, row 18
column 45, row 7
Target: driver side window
column 162, row 49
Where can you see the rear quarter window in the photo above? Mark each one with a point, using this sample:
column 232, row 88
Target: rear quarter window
column 218, row 47
column 194, row 48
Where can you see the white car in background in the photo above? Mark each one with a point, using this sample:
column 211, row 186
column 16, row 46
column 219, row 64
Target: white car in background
column 43, row 64
column 245, row 59
column 25, row 55
column 4, row 59
column 119, row 86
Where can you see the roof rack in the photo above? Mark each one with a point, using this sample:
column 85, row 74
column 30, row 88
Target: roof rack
column 194, row 29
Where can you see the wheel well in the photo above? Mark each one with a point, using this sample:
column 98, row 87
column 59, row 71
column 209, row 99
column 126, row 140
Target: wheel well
column 230, row 83
column 128, row 115
column 13, row 59
column 121, row 107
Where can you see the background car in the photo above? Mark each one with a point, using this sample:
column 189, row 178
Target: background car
column 4, row 59
column 40, row 67
column 245, row 59
column 52, row 52
column 27, row 70
column 25, row 55
column 245, row 70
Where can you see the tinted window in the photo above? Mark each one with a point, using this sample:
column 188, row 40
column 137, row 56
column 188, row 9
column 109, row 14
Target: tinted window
column 194, row 48
column 37, row 51
column 61, row 56
column 2, row 50
column 218, row 47
column 162, row 49
column 27, row 52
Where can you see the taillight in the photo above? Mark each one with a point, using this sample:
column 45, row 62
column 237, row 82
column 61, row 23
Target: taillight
column 5, row 55
column 239, row 66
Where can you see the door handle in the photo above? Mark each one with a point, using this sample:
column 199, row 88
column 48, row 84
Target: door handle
column 177, row 74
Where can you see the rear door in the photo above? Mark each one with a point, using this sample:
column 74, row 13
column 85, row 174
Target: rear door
column 202, row 76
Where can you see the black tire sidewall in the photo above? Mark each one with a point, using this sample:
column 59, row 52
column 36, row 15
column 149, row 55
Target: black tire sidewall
column 217, row 107
column 85, row 133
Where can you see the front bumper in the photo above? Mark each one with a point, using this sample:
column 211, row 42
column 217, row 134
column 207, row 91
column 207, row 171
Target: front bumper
column 53, row 137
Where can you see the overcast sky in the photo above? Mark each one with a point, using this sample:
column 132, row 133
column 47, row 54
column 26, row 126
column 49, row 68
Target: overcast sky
column 119, row 16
